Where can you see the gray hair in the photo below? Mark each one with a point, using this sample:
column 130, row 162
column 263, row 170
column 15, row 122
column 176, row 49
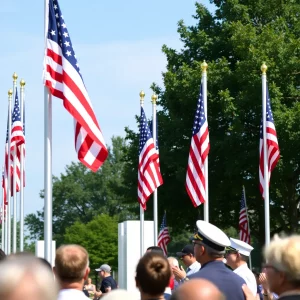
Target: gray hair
column 213, row 252
column 17, row 268
column 284, row 255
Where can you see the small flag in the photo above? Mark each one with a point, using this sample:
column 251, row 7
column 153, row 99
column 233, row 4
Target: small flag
column 272, row 146
column 199, row 149
column 243, row 220
column 149, row 177
column 163, row 237
column 63, row 78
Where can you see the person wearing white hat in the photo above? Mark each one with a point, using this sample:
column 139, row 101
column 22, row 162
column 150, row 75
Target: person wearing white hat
column 237, row 256
column 209, row 249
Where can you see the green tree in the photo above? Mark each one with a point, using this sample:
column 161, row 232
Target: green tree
column 80, row 195
column 99, row 237
column 234, row 40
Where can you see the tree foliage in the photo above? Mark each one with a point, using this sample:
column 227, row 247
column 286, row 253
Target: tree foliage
column 80, row 195
column 99, row 237
column 234, row 40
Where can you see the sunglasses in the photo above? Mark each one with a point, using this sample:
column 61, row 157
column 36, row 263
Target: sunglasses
column 269, row 266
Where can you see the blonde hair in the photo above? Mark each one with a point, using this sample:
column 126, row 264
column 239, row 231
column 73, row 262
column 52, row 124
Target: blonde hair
column 283, row 254
column 71, row 262
column 17, row 268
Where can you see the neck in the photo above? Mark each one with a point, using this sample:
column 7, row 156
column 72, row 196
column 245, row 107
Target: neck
column 288, row 289
column 239, row 263
column 145, row 296
column 205, row 260
column 72, row 285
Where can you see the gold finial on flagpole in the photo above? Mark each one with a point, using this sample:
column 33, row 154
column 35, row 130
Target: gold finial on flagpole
column 22, row 83
column 204, row 66
column 264, row 68
column 15, row 77
column 10, row 92
column 142, row 96
column 154, row 98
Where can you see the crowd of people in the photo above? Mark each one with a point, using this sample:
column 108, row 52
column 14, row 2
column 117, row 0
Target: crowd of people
column 216, row 269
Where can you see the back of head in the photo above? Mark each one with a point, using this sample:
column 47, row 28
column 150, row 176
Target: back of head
column 120, row 294
column 2, row 255
column 25, row 277
column 284, row 255
column 153, row 273
column 173, row 261
column 155, row 249
column 71, row 263
column 197, row 289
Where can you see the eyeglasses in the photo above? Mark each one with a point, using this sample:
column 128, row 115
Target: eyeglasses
column 231, row 252
column 181, row 258
column 269, row 266
column 196, row 243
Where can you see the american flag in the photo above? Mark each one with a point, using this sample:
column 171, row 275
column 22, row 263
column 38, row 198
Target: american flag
column 5, row 171
column 16, row 140
column 149, row 177
column 243, row 220
column 156, row 140
column 163, row 238
column 272, row 146
column 195, row 177
column 63, row 78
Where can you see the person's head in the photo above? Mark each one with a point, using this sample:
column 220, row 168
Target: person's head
column 153, row 274
column 104, row 271
column 282, row 266
column 89, row 281
column 173, row 261
column 120, row 294
column 2, row 255
column 186, row 255
column 238, row 253
column 25, row 277
column 155, row 249
column 71, row 264
column 209, row 242
column 196, row 289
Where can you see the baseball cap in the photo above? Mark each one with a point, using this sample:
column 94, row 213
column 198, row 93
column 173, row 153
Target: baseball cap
column 105, row 268
column 188, row 249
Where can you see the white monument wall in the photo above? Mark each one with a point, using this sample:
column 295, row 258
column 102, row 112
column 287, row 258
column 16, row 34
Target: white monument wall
column 129, row 250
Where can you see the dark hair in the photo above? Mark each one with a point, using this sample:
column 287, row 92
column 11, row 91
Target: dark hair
column 153, row 273
column 2, row 255
column 155, row 249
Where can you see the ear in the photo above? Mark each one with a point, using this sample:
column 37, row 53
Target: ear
column 282, row 278
column 86, row 274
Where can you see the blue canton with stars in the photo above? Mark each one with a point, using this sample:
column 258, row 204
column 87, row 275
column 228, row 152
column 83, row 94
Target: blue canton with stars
column 200, row 114
column 269, row 114
column 145, row 133
column 243, row 204
column 16, row 116
column 151, row 130
column 58, row 32
column 163, row 223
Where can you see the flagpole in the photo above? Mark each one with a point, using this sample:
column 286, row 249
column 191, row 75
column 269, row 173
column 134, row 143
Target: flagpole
column 244, row 191
column 154, row 133
column 204, row 94
column 142, row 216
column 8, row 197
column 15, row 77
column 22, row 87
column 47, row 160
column 266, row 169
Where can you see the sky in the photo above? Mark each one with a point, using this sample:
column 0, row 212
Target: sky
column 118, row 47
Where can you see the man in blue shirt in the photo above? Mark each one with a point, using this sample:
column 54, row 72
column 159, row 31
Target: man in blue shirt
column 209, row 249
